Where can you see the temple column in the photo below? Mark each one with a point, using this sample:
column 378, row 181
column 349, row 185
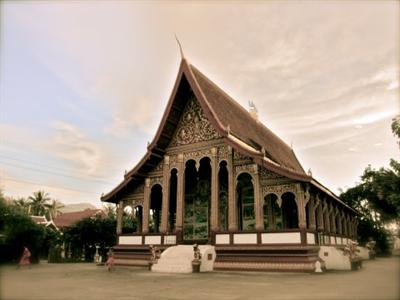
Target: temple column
column 326, row 218
column 345, row 232
column 311, row 214
column 214, row 190
column 120, row 211
column 320, row 220
column 232, row 226
column 333, row 219
column 355, row 229
column 302, row 197
column 348, row 225
column 339, row 227
column 257, row 201
column 165, row 199
column 146, row 206
column 320, row 216
column 180, row 197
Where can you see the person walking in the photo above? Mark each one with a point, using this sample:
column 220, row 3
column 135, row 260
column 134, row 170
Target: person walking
column 25, row 259
column 110, row 260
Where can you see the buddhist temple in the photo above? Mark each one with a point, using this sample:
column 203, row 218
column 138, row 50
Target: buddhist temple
column 215, row 175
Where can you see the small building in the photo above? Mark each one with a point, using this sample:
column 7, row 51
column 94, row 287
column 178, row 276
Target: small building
column 215, row 175
column 65, row 220
column 42, row 220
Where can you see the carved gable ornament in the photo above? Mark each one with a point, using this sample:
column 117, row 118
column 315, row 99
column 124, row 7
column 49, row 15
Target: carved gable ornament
column 193, row 126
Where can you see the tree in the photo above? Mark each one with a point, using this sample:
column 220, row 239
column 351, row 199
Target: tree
column 38, row 203
column 396, row 127
column 53, row 209
column 22, row 204
column 377, row 198
column 89, row 232
column 18, row 230
column 110, row 210
column 382, row 189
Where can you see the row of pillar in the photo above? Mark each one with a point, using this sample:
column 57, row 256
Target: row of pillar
column 326, row 212
column 330, row 218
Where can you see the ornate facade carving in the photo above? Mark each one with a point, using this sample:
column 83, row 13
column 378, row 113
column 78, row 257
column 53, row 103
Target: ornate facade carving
column 193, row 126
column 134, row 202
column 279, row 190
column 251, row 169
column 159, row 167
column 223, row 152
column 239, row 159
column 156, row 180
column 265, row 174
column 196, row 155
column 173, row 161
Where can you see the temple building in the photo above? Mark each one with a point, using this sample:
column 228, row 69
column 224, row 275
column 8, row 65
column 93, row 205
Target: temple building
column 215, row 175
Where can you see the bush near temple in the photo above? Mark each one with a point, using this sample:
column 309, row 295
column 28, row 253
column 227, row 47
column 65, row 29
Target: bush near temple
column 83, row 237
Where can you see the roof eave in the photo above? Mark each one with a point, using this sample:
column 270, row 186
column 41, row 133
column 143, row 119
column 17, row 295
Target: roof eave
column 320, row 186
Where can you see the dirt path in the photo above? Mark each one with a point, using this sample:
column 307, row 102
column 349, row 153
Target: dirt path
column 377, row 280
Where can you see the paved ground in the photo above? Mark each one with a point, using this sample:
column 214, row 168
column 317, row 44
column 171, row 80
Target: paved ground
column 377, row 280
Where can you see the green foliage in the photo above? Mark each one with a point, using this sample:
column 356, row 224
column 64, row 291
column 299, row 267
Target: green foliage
column 39, row 202
column 129, row 223
column 396, row 126
column 382, row 189
column 368, row 229
column 89, row 232
column 110, row 211
column 18, row 230
column 22, row 205
column 53, row 209
column 377, row 198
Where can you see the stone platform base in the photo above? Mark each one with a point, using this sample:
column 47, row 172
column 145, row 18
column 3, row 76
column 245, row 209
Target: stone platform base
column 277, row 259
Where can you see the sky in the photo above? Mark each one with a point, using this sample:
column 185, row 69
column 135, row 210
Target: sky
column 84, row 84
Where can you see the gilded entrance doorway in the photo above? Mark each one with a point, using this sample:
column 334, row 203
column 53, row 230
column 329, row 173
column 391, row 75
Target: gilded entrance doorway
column 197, row 201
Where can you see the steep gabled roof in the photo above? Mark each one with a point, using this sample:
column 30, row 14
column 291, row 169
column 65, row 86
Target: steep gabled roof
column 230, row 120
column 244, row 126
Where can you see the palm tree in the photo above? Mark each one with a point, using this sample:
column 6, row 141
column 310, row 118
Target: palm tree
column 38, row 202
column 110, row 210
column 53, row 209
column 22, row 204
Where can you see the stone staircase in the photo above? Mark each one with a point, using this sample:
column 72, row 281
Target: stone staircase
column 132, row 256
column 178, row 259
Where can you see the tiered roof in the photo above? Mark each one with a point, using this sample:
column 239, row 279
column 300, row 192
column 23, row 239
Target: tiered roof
column 234, row 123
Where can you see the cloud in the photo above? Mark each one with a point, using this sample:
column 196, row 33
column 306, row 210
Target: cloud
column 72, row 144
column 138, row 115
column 321, row 76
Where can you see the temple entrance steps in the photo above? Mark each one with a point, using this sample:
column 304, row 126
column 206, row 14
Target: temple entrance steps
column 178, row 259
column 268, row 258
column 132, row 256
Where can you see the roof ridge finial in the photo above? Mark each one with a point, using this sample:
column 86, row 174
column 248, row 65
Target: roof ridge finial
column 180, row 47
column 253, row 110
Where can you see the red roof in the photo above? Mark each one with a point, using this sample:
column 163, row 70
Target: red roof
column 68, row 219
